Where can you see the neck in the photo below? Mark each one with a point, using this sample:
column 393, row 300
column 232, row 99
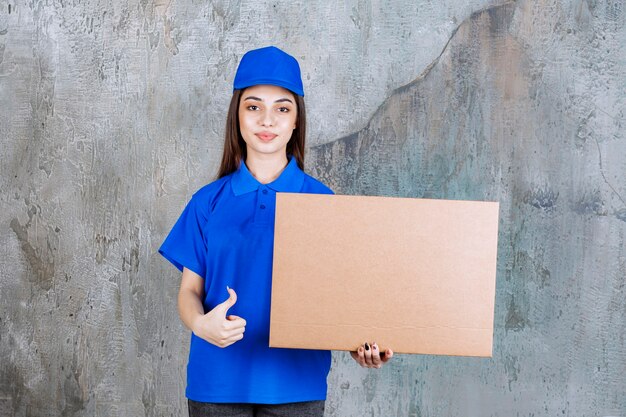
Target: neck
column 266, row 170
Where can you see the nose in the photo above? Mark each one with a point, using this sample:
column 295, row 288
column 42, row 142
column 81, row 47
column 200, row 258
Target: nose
column 267, row 118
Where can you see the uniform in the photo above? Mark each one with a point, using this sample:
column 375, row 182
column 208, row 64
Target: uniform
column 226, row 234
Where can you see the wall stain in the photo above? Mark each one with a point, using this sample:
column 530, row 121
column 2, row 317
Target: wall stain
column 590, row 202
column 73, row 399
column 499, row 19
column 526, row 265
column 171, row 36
column 515, row 320
column 369, row 387
column 512, row 368
column 12, row 389
column 414, row 410
column 130, row 262
column 148, row 398
column 543, row 274
column 542, row 198
column 40, row 254
column 102, row 246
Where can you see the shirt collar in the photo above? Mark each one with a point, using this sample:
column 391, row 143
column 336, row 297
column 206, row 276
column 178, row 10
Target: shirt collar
column 290, row 180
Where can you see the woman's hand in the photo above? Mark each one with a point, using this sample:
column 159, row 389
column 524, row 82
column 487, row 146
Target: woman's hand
column 369, row 356
column 216, row 327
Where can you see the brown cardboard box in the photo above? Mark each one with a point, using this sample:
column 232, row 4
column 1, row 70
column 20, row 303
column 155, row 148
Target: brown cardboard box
column 413, row 275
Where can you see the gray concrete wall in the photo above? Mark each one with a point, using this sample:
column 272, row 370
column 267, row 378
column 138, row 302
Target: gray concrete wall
column 111, row 115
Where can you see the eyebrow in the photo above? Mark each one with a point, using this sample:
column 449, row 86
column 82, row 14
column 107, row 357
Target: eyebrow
column 280, row 100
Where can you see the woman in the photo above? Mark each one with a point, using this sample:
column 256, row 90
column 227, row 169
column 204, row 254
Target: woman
column 223, row 244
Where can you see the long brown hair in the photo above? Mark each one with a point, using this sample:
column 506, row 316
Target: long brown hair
column 235, row 147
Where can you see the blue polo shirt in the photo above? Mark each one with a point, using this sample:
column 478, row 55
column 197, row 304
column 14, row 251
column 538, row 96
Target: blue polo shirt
column 226, row 235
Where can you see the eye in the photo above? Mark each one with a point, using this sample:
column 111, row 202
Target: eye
column 252, row 107
column 283, row 109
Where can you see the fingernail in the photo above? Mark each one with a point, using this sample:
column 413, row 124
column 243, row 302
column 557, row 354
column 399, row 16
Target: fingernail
column 360, row 350
column 374, row 346
column 367, row 347
column 227, row 287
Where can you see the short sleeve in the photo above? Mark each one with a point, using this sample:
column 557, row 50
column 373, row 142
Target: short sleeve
column 185, row 245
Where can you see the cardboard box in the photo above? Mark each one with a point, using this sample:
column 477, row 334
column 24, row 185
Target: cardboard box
column 413, row 275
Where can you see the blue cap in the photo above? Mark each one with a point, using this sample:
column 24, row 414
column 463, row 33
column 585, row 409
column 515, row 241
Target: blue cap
column 269, row 65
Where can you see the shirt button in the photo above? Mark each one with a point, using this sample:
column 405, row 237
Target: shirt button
column 262, row 206
column 264, row 191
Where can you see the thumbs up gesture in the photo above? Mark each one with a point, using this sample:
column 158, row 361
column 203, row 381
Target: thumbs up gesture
column 219, row 329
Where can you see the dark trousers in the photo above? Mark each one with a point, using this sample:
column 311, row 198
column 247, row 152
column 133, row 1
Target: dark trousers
column 303, row 409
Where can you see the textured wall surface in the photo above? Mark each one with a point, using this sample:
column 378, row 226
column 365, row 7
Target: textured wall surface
column 111, row 115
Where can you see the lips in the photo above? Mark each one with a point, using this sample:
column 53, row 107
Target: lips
column 266, row 136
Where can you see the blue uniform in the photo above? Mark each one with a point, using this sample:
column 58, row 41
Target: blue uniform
column 226, row 235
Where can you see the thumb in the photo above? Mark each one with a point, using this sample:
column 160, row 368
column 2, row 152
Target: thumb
column 230, row 301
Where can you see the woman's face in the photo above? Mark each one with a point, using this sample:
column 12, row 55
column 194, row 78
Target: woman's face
column 267, row 118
